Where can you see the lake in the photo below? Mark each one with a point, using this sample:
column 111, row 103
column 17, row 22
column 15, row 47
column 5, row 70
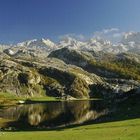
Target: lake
column 52, row 114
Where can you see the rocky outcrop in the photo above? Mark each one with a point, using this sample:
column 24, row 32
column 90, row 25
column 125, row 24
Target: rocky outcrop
column 65, row 73
column 19, row 80
column 50, row 77
column 112, row 68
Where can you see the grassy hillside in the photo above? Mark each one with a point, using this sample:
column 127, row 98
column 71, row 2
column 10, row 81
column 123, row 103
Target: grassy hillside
column 124, row 69
column 103, row 64
column 125, row 130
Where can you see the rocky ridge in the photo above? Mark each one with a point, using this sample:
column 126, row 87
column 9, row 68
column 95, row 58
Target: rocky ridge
column 69, row 69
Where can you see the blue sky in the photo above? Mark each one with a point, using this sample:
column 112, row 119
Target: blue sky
column 27, row 19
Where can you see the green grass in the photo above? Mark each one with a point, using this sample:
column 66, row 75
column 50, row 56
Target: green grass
column 121, row 130
column 46, row 98
column 124, row 69
column 9, row 99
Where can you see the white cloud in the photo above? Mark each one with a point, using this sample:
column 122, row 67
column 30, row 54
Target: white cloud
column 106, row 31
column 112, row 34
column 78, row 37
column 117, row 35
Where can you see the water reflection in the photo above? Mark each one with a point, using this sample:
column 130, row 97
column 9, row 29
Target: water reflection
column 53, row 114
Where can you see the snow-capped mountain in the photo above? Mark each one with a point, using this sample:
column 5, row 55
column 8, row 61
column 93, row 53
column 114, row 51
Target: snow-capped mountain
column 70, row 43
column 130, row 42
column 3, row 47
column 35, row 47
column 96, row 44
column 38, row 44
column 131, row 38
column 32, row 48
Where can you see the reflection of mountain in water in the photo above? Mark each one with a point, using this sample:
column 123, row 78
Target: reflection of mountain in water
column 54, row 114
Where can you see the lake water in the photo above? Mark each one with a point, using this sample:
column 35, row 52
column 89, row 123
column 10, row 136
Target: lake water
column 52, row 114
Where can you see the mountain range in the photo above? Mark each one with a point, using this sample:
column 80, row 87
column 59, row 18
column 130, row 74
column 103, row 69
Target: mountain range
column 72, row 68
column 130, row 42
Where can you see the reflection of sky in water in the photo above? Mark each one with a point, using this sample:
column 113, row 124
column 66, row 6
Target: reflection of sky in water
column 53, row 114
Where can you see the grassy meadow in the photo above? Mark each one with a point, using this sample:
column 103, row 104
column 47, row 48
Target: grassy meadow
column 119, row 130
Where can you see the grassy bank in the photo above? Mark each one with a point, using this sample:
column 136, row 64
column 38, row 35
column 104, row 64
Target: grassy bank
column 9, row 99
column 125, row 130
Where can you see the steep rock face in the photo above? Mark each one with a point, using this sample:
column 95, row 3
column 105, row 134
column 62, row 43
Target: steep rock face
column 47, row 77
column 129, row 57
column 71, row 84
column 124, row 65
column 71, row 80
column 18, row 80
column 68, row 74
column 84, row 60
column 70, row 56
column 119, row 75
column 79, row 88
column 3, row 55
